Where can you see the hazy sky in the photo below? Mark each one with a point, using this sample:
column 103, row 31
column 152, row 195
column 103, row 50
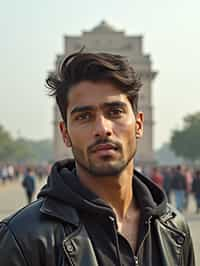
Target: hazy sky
column 32, row 34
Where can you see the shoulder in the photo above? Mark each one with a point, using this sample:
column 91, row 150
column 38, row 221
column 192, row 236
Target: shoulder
column 30, row 225
column 42, row 217
column 16, row 234
column 24, row 219
column 175, row 229
column 31, row 235
column 175, row 221
column 29, row 222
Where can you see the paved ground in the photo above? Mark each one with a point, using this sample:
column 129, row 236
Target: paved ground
column 12, row 197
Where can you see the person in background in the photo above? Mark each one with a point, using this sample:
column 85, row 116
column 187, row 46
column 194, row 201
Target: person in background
column 4, row 173
column 157, row 177
column 196, row 189
column 179, row 186
column 167, row 182
column 29, row 184
column 11, row 172
column 189, row 179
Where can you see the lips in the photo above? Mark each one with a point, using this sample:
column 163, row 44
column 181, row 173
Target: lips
column 104, row 147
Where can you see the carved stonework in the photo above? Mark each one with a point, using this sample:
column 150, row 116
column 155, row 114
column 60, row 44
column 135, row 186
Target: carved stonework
column 104, row 38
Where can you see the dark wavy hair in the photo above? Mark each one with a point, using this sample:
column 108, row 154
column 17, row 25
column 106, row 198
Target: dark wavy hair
column 95, row 67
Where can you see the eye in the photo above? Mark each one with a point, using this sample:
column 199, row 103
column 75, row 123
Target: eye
column 83, row 117
column 116, row 112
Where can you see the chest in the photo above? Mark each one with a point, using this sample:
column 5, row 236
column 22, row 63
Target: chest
column 129, row 228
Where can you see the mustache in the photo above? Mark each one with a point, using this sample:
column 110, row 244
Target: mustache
column 116, row 144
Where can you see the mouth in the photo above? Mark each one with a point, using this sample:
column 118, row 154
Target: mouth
column 104, row 147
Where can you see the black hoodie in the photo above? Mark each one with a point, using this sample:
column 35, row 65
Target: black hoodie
column 99, row 219
column 63, row 184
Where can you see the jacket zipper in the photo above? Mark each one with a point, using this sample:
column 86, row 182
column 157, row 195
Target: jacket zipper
column 148, row 222
column 136, row 260
column 116, row 239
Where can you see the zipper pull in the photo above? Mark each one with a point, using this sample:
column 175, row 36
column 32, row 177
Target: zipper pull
column 114, row 222
column 136, row 260
column 112, row 219
column 148, row 221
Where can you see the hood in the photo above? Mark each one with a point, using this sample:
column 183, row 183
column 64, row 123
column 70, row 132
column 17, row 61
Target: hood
column 63, row 185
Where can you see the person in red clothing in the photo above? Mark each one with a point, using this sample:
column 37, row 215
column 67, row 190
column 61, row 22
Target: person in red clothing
column 157, row 177
column 188, row 178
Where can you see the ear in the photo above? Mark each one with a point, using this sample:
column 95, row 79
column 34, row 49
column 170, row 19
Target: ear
column 64, row 133
column 139, row 124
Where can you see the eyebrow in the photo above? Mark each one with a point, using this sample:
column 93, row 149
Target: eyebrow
column 115, row 104
column 79, row 109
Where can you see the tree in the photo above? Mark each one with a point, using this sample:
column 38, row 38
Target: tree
column 23, row 150
column 186, row 142
column 165, row 156
column 37, row 151
column 6, row 147
column 12, row 150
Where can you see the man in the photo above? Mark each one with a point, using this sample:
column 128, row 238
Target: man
column 96, row 210
column 157, row 177
column 179, row 185
column 196, row 189
column 29, row 184
column 167, row 184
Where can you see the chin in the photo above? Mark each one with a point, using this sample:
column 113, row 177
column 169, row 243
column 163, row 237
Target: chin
column 107, row 169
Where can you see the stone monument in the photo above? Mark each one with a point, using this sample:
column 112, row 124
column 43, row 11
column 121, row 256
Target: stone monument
column 104, row 38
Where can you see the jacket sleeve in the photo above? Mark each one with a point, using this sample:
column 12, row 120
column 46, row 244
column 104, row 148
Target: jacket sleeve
column 179, row 222
column 10, row 251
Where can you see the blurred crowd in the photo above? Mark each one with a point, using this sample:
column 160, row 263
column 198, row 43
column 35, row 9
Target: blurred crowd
column 179, row 181
column 12, row 172
column 27, row 175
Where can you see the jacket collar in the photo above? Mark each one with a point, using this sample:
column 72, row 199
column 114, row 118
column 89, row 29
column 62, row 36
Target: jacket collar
column 141, row 186
column 151, row 199
column 60, row 210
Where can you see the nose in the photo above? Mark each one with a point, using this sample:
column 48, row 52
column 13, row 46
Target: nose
column 102, row 127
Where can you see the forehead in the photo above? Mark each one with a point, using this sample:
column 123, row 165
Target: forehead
column 94, row 94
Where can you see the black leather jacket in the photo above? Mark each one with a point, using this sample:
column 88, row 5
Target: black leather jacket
column 82, row 230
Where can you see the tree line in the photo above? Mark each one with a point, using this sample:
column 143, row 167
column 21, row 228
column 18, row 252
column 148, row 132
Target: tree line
column 23, row 150
column 185, row 142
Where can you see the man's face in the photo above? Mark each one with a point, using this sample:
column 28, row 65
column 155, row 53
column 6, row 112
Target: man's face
column 101, row 128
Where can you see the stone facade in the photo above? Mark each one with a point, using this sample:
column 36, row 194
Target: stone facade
column 103, row 38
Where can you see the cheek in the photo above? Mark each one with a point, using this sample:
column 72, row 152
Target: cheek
column 126, row 128
column 127, row 133
column 79, row 138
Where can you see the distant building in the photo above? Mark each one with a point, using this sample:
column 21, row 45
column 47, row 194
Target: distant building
column 104, row 38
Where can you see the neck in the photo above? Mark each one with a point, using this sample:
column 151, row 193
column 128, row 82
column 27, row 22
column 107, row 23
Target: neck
column 116, row 191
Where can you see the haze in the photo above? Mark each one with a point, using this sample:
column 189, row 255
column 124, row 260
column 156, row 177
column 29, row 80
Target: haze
column 32, row 34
